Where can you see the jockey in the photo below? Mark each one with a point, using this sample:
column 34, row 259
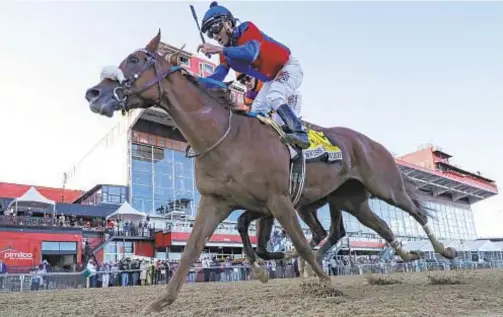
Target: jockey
column 253, row 86
column 248, row 50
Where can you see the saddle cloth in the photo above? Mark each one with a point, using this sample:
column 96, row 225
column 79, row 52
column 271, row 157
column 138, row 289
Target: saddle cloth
column 321, row 148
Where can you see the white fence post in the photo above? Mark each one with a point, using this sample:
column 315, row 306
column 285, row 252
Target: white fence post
column 21, row 279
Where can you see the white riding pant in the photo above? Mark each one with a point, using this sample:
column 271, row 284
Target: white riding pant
column 282, row 90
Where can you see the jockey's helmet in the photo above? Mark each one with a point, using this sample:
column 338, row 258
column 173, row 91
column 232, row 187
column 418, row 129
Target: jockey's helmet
column 213, row 19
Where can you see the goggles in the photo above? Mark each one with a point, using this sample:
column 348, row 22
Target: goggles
column 215, row 28
column 245, row 79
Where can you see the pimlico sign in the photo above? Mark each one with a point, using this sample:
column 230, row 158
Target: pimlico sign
column 14, row 255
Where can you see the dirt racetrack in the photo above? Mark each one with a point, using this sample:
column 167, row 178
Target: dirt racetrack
column 480, row 296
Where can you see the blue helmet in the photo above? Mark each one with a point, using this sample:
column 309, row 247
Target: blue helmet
column 215, row 14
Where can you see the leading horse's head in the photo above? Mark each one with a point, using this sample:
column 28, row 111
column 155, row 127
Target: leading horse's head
column 136, row 83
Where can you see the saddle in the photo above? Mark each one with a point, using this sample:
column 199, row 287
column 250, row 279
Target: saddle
column 320, row 150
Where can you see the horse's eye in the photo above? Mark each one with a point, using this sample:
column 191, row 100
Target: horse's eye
column 133, row 59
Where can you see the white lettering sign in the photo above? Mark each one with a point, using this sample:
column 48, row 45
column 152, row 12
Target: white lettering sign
column 18, row 255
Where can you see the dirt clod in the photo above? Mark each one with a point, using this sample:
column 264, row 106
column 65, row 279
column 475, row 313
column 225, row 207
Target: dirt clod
column 380, row 279
column 314, row 288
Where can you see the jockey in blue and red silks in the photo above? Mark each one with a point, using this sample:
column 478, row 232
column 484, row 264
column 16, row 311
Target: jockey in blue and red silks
column 248, row 50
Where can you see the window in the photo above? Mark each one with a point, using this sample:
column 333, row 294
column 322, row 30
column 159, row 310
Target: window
column 185, row 60
column 115, row 251
column 68, row 246
column 143, row 152
column 208, row 68
column 205, row 69
column 50, row 247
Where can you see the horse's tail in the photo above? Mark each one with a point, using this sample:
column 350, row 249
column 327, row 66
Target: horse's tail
column 415, row 196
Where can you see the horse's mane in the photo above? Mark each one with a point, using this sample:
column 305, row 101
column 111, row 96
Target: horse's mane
column 222, row 95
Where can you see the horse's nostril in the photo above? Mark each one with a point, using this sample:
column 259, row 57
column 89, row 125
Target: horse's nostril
column 92, row 94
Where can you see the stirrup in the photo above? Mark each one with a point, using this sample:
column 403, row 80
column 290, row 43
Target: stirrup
column 295, row 139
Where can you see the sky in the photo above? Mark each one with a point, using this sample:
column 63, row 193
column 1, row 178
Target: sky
column 403, row 73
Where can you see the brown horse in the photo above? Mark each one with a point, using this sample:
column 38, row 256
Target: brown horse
column 242, row 164
column 343, row 198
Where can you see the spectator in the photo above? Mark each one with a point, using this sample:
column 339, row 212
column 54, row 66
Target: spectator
column 105, row 277
column 91, row 267
column 3, row 272
column 143, row 273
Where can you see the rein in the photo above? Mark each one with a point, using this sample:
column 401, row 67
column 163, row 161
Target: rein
column 125, row 89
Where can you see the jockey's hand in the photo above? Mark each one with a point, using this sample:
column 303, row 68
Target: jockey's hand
column 207, row 48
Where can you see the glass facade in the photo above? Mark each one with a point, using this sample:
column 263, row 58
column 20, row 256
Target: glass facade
column 107, row 194
column 453, row 221
column 162, row 181
column 115, row 251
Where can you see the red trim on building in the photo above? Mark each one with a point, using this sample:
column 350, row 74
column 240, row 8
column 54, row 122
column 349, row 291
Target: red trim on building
column 11, row 190
column 144, row 248
column 163, row 240
column 367, row 244
column 465, row 180
column 24, row 248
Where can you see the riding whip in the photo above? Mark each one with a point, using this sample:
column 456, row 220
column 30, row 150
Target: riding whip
column 194, row 15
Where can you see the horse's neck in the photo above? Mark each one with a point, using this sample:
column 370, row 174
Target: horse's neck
column 200, row 118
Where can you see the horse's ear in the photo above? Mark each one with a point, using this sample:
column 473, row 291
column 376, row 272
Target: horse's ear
column 153, row 45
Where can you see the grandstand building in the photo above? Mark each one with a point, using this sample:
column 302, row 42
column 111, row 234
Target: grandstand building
column 148, row 168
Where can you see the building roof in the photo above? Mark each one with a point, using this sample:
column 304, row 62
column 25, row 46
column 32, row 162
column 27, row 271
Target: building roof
column 12, row 190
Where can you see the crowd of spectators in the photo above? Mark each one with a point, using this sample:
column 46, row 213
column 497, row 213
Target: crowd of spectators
column 135, row 272
column 112, row 227
column 31, row 219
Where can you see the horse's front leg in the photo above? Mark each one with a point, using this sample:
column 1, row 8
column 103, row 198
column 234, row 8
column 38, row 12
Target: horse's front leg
column 211, row 212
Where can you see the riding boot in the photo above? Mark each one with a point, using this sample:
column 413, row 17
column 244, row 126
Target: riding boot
column 298, row 136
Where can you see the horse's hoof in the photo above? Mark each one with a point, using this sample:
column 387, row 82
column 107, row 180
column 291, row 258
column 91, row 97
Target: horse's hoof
column 153, row 307
column 260, row 274
column 450, row 253
column 157, row 305
column 325, row 281
column 290, row 255
column 308, row 271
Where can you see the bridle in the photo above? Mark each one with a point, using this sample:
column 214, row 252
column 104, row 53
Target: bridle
column 125, row 85
column 126, row 89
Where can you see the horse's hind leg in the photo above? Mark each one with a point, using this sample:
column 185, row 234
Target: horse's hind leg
column 244, row 222
column 282, row 209
column 403, row 195
column 354, row 198
column 264, row 232
column 337, row 231
column 308, row 214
